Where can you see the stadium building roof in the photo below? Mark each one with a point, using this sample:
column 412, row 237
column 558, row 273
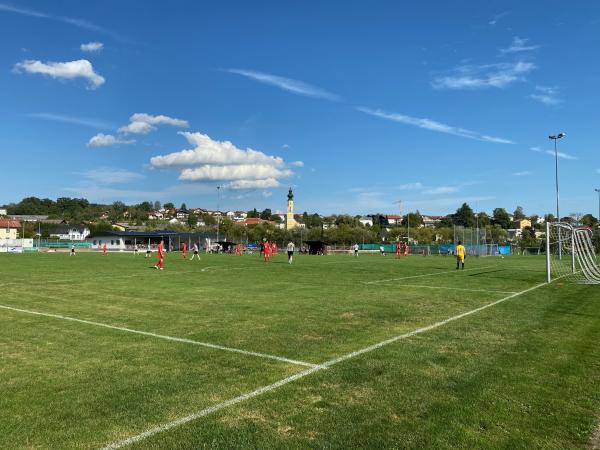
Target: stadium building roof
column 155, row 233
column 6, row 223
column 152, row 234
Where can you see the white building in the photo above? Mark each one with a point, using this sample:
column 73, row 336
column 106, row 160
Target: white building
column 112, row 242
column 71, row 232
column 431, row 221
column 155, row 215
column 9, row 229
column 513, row 233
column 366, row 221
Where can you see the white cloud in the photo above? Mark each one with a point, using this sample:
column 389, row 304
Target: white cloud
column 212, row 160
column 548, row 95
column 297, row 164
column 209, row 151
column 159, row 120
column 497, row 75
column 110, row 175
column 254, row 184
column 441, row 190
column 521, row 174
column 285, row 147
column 137, row 128
column 561, row 155
column 233, row 172
column 81, row 23
column 497, row 17
column 551, row 153
column 142, row 123
column 447, row 201
column 87, row 122
column 411, row 186
column 432, row 125
column 92, row 47
column 106, row 140
column 287, row 84
column 519, row 45
column 81, row 68
column 104, row 194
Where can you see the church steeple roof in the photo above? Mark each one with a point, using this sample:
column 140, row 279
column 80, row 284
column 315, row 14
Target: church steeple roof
column 290, row 195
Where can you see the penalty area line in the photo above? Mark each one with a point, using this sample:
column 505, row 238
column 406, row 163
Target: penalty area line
column 490, row 291
column 162, row 336
column 271, row 387
column 424, row 275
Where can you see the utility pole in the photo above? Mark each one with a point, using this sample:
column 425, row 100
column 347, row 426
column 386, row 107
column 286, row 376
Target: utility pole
column 399, row 203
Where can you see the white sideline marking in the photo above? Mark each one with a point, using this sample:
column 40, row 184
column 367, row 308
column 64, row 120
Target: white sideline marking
column 205, row 412
column 162, row 336
column 492, row 291
column 425, row 275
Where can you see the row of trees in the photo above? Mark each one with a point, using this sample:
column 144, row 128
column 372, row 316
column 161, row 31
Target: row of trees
column 336, row 229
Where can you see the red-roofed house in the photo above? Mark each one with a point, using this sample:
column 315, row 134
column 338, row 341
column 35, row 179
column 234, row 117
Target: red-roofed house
column 9, row 228
column 257, row 221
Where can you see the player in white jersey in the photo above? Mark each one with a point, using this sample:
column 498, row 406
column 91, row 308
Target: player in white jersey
column 290, row 251
column 195, row 252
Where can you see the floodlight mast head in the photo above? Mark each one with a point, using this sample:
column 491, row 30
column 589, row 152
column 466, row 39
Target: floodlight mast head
column 558, row 136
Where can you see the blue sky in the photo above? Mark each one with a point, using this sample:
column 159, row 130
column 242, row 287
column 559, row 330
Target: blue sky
column 354, row 104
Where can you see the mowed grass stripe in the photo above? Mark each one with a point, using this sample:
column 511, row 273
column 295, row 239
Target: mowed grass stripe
column 160, row 336
column 265, row 389
column 69, row 386
column 329, row 328
column 425, row 275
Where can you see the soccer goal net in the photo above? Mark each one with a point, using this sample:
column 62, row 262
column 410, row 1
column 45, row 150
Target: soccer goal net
column 570, row 253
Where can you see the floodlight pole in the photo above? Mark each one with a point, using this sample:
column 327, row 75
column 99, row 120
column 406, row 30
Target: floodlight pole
column 218, row 213
column 477, row 231
column 548, row 275
column 598, row 191
column 555, row 138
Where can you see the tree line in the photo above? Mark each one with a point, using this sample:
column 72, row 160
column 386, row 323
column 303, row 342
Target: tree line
column 336, row 229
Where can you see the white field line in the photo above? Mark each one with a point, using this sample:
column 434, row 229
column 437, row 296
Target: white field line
column 262, row 390
column 103, row 278
column 425, row 275
column 162, row 336
column 491, row 291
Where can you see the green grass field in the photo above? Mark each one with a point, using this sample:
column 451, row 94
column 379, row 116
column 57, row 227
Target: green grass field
column 330, row 352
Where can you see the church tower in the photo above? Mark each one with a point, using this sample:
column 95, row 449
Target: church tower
column 290, row 222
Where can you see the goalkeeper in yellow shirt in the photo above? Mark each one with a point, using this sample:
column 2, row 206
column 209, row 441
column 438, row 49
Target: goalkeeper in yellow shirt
column 460, row 255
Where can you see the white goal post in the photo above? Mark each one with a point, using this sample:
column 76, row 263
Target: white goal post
column 570, row 253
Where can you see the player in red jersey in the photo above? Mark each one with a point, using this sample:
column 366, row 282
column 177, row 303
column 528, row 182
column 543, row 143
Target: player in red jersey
column 267, row 251
column 398, row 246
column 161, row 256
column 184, row 250
column 273, row 249
column 104, row 250
column 406, row 249
column 238, row 250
